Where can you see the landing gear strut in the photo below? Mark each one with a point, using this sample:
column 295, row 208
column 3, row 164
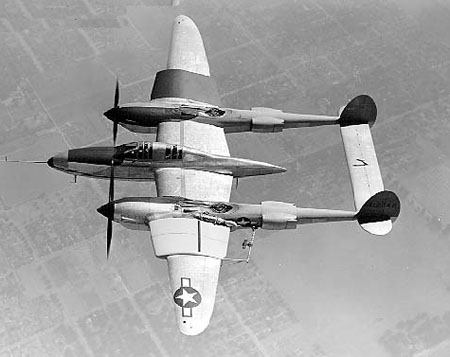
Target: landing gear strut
column 249, row 244
column 246, row 244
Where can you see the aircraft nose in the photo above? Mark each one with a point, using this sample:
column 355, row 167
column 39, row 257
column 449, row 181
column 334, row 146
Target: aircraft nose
column 107, row 210
column 100, row 155
column 58, row 161
column 112, row 113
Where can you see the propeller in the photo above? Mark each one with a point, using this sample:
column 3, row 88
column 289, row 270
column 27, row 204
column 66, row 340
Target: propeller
column 109, row 229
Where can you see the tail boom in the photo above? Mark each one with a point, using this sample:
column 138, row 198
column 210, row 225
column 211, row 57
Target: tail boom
column 375, row 216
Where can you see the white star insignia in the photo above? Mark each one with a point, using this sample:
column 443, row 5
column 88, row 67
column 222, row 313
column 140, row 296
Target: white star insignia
column 187, row 297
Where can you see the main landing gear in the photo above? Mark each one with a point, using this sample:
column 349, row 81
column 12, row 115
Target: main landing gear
column 246, row 244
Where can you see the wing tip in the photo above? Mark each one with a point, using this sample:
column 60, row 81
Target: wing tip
column 187, row 50
column 190, row 329
column 183, row 18
column 193, row 280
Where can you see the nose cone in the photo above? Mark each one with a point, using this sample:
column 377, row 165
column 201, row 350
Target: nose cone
column 113, row 113
column 94, row 155
column 107, row 210
column 59, row 161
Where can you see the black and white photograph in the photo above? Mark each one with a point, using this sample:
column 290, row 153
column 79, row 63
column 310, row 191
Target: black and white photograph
column 225, row 178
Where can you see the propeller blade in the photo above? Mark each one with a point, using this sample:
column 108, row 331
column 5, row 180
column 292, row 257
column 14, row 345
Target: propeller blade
column 115, row 127
column 111, row 182
column 116, row 103
column 109, row 232
column 116, row 94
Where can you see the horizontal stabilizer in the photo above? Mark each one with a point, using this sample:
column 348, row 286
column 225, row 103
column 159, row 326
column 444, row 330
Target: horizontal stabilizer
column 378, row 213
column 362, row 162
column 360, row 110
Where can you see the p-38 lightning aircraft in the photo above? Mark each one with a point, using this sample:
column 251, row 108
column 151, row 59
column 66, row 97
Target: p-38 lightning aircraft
column 191, row 219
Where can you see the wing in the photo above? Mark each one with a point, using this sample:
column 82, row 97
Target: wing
column 193, row 249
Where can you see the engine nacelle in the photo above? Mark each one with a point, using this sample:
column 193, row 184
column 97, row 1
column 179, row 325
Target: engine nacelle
column 215, row 220
column 267, row 124
column 266, row 110
column 278, row 215
column 154, row 216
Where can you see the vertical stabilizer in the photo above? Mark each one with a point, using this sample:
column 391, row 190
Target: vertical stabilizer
column 379, row 212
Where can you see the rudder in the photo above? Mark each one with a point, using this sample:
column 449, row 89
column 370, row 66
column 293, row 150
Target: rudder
column 379, row 212
column 360, row 110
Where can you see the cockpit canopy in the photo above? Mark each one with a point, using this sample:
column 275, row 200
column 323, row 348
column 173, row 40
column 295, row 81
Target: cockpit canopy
column 154, row 151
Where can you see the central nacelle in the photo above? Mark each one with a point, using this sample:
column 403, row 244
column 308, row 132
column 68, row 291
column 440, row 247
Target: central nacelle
column 278, row 215
column 266, row 124
column 147, row 151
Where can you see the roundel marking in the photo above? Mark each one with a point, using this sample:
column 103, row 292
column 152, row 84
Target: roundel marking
column 187, row 297
column 243, row 221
